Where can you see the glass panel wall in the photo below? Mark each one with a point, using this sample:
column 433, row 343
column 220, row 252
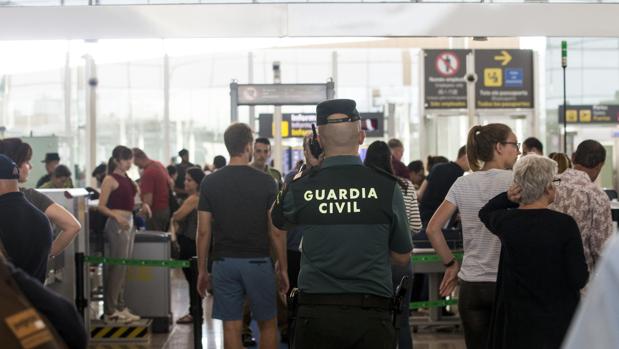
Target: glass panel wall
column 43, row 92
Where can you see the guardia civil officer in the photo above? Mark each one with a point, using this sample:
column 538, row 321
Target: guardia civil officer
column 354, row 222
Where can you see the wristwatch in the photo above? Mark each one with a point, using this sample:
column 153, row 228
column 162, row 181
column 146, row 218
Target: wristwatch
column 450, row 263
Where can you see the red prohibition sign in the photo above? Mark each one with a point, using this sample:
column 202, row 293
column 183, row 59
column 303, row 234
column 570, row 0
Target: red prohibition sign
column 447, row 64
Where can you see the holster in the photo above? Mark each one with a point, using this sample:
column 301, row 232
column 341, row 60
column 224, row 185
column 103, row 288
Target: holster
column 399, row 301
column 293, row 307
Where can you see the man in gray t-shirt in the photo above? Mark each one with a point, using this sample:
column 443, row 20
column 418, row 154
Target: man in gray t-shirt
column 234, row 208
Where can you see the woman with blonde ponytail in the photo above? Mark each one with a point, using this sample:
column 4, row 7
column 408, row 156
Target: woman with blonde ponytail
column 492, row 150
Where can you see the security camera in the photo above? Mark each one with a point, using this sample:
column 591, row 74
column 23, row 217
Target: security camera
column 471, row 78
column 93, row 82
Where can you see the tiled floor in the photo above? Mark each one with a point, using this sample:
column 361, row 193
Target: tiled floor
column 181, row 336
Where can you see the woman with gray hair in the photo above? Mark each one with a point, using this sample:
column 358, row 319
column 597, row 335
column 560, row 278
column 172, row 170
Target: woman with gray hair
column 542, row 266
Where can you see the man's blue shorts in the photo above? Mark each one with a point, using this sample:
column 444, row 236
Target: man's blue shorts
column 234, row 278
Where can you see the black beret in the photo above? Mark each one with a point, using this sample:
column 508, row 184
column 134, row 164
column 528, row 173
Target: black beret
column 336, row 106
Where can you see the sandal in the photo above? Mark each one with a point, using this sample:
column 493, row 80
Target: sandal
column 187, row 319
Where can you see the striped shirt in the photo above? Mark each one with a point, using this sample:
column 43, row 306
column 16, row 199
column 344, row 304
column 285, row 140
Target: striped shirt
column 481, row 248
column 412, row 206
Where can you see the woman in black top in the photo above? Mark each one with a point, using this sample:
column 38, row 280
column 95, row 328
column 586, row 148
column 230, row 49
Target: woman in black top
column 542, row 266
column 185, row 222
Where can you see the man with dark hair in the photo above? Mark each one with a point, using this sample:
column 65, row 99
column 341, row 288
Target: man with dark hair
column 219, row 162
column 397, row 151
column 51, row 162
column 262, row 156
column 354, row 223
column 61, row 178
column 234, row 209
column 532, row 145
column 181, row 169
column 155, row 184
column 579, row 196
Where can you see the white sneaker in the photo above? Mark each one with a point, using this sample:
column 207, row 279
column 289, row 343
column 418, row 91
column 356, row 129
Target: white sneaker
column 129, row 315
column 116, row 318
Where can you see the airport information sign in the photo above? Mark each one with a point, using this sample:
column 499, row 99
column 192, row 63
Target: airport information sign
column 504, row 79
column 445, row 84
column 299, row 124
column 282, row 94
column 590, row 114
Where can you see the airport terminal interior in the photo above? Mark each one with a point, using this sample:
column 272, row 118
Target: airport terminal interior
column 140, row 95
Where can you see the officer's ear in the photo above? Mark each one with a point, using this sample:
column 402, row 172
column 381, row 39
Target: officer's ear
column 361, row 137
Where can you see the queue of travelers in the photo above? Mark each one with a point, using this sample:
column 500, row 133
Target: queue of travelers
column 341, row 231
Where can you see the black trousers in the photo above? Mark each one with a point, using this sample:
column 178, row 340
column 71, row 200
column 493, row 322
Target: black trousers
column 475, row 304
column 343, row 327
column 188, row 250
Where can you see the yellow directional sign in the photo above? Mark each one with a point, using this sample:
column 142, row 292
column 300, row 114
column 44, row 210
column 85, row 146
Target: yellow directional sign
column 504, row 58
column 493, row 77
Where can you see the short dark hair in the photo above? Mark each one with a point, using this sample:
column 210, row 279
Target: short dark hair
column 533, row 142
column 395, row 143
column 219, row 161
column 183, row 152
column 589, row 154
column 461, row 151
column 435, row 160
column 196, row 174
column 62, row 171
column 236, row 137
column 416, row 166
column 264, row 141
column 139, row 153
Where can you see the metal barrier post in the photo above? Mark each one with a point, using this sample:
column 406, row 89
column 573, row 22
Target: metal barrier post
column 80, row 300
column 194, row 307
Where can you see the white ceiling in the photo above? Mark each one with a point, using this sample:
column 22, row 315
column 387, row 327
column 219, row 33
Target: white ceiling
column 310, row 20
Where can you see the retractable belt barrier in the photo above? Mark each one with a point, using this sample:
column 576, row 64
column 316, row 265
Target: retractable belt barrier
column 172, row 263
column 175, row 264
column 81, row 259
column 433, row 304
column 432, row 258
column 429, row 258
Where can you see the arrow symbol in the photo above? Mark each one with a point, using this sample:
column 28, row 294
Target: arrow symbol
column 504, row 58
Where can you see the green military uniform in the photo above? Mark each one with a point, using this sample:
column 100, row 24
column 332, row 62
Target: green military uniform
column 352, row 217
column 277, row 176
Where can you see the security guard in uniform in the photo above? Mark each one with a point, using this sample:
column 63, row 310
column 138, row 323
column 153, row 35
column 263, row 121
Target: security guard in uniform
column 354, row 223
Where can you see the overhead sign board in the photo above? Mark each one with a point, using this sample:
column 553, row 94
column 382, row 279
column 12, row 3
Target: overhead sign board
column 299, row 124
column 590, row 114
column 504, row 79
column 281, row 94
column 445, row 84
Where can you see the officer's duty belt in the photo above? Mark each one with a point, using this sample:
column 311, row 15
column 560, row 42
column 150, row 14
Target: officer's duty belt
column 351, row 300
